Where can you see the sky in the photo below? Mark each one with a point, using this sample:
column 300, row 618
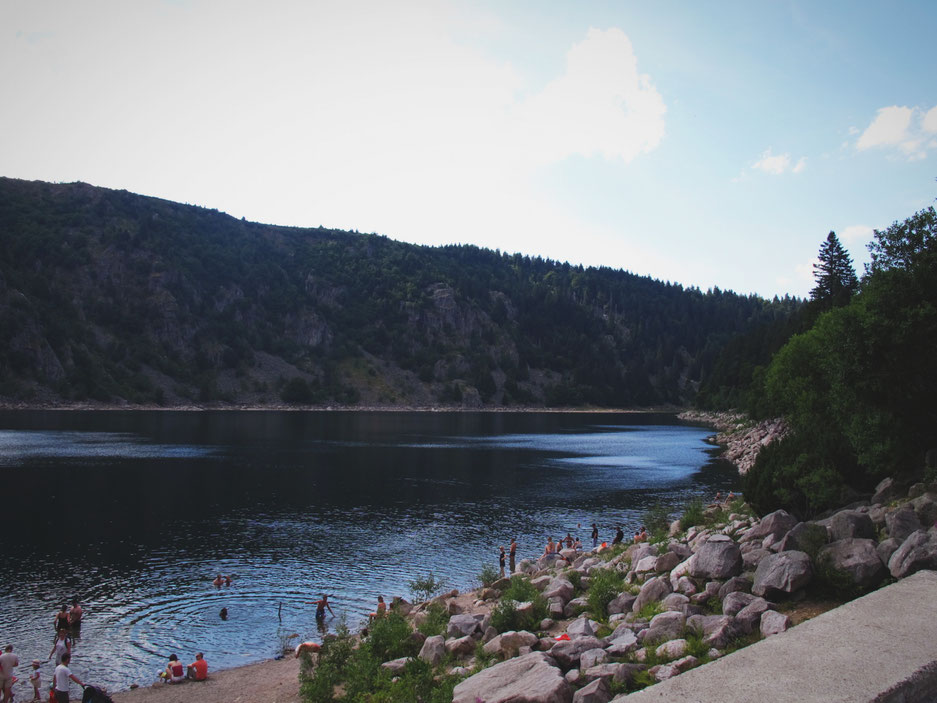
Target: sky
column 707, row 144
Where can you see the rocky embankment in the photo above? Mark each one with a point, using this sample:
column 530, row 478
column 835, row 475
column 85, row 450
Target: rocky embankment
column 678, row 603
column 741, row 437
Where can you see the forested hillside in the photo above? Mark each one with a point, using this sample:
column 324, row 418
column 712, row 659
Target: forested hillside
column 113, row 297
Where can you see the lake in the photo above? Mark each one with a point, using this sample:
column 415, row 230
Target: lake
column 134, row 513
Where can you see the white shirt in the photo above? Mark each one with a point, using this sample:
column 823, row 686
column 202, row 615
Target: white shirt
column 62, row 674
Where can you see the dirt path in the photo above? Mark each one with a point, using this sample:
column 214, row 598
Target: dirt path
column 272, row 681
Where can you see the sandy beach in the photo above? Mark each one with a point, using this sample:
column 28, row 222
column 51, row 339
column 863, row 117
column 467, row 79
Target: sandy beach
column 271, row 681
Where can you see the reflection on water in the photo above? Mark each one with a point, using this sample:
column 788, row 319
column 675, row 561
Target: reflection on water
column 135, row 513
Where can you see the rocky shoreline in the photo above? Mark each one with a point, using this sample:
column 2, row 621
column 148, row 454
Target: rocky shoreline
column 740, row 437
column 687, row 599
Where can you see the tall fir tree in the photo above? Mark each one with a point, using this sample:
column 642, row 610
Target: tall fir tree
column 835, row 276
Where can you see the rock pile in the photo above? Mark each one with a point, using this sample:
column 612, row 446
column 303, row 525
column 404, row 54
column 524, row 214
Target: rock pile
column 682, row 602
column 742, row 439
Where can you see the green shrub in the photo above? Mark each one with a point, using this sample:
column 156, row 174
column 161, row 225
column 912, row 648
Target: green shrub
column 389, row 637
column 520, row 589
column 506, row 617
column 437, row 618
column 693, row 514
column 488, row 575
column 330, row 670
column 604, row 586
column 657, row 522
column 649, row 611
column 575, row 578
column 425, row 587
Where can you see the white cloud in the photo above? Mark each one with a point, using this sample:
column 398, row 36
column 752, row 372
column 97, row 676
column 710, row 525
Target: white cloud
column 601, row 105
column 856, row 234
column 904, row 128
column 778, row 164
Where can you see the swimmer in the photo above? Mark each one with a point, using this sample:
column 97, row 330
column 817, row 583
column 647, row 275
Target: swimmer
column 219, row 580
column 223, row 614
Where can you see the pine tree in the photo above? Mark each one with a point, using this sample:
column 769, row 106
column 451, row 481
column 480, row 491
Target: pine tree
column 835, row 275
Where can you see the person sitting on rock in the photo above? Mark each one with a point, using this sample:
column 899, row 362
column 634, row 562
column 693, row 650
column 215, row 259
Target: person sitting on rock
column 550, row 548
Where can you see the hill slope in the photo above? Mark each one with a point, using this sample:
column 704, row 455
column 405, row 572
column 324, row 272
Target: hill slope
column 114, row 297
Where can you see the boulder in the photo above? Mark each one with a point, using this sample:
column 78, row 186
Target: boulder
column 596, row 692
column 667, row 561
column 752, row 558
column 395, row 666
column 782, row 574
column 620, row 604
column 750, row 616
column 886, row 548
column 717, row 630
column 888, row 489
column 778, row 523
column 674, row 649
column 734, row 602
column 576, row 606
column 918, row 551
column 592, row 657
column 433, row 650
column 654, row 589
column 461, row 625
column 682, row 551
column 648, row 563
column 773, row 623
column 848, row 524
column 733, row 585
column 581, row 627
column 620, row 644
column 805, row 537
column 857, row 558
column 559, row 588
column 718, row 558
column 675, row 601
column 531, row 678
column 612, row 672
column 901, row 523
column 926, row 508
column 567, row 652
column 460, row 645
column 665, row 626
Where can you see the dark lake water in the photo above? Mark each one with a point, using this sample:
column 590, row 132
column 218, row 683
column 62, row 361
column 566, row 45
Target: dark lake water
column 134, row 513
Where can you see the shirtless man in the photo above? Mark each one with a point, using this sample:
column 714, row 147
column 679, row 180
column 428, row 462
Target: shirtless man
column 512, row 553
column 74, row 615
column 321, row 605
column 8, row 663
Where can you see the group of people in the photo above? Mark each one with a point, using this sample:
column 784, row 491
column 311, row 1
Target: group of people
column 176, row 673
column 570, row 542
column 67, row 622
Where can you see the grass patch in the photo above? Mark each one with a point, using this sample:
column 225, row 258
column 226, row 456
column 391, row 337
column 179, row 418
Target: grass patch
column 604, row 586
column 488, row 575
column 693, row 514
column 649, row 610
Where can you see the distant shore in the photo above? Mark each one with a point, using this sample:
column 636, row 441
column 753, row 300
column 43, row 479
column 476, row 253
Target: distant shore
column 6, row 405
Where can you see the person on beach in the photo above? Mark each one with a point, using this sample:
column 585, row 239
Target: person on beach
column 501, row 556
column 74, row 616
column 197, row 670
column 321, row 605
column 569, row 541
column 513, row 553
column 61, row 646
column 550, row 548
column 61, row 619
column 175, row 673
column 8, row 663
column 62, row 676
column 381, row 610
column 619, row 536
column 35, row 678
column 595, row 536
column 577, row 545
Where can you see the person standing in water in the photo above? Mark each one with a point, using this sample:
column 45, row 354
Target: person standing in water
column 513, row 553
column 321, row 605
column 595, row 536
column 501, row 560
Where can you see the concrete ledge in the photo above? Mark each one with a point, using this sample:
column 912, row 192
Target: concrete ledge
column 880, row 648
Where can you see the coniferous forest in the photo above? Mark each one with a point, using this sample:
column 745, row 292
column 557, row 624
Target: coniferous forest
column 114, row 298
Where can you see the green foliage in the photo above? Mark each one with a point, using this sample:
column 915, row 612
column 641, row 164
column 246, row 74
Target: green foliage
column 437, row 619
column 144, row 285
column 835, row 275
column 696, row 647
column 649, row 611
column 574, row 578
column 604, row 586
column 488, row 575
column 329, row 672
column 505, row 616
column 657, row 521
column 692, row 514
column 389, row 637
column 425, row 587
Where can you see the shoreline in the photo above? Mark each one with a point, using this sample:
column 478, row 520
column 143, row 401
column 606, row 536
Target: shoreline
column 106, row 407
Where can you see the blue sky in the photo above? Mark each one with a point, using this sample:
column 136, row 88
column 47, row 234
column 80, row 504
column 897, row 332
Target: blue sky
column 710, row 144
